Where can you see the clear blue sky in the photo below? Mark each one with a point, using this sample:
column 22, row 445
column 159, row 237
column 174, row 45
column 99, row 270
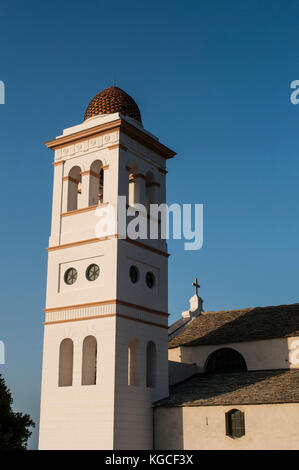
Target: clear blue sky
column 212, row 81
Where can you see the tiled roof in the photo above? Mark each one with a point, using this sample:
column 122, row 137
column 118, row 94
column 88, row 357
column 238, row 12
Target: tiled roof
column 113, row 100
column 258, row 387
column 239, row 325
column 175, row 327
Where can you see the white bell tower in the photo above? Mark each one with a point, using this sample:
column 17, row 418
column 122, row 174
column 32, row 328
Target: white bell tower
column 105, row 336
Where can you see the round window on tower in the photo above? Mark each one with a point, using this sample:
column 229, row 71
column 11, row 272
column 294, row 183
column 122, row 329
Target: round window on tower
column 150, row 280
column 70, row 276
column 92, row 272
column 134, row 274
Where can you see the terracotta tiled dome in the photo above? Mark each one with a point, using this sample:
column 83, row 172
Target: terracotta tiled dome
column 113, row 100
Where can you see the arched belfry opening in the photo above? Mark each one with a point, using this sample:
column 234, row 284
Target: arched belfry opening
column 74, row 188
column 225, row 360
column 96, row 183
column 133, row 192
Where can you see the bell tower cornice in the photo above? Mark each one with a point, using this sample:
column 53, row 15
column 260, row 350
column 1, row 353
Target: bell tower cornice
column 120, row 125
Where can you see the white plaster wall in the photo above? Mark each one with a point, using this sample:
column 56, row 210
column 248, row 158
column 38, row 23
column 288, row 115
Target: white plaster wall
column 56, row 205
column 104, row 253
column 79, row 416
column 178, row 371
column 268, row 427
column 139, row 293
column 133, row 404
column 259, row 355
column 78, row 227
column 293, row 347
column 103, row 119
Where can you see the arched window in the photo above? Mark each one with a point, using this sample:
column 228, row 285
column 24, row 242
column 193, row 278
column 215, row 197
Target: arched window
column 73, row 188
column 89, row 361
column 150, row 190
column 96, row 186
column 66, row 354
column 151, row 364
column 133, row 195
column 133, row 362
column 235, row 423
column 225, row 360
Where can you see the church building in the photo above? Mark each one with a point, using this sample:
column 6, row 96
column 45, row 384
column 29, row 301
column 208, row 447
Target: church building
column 234, row 380
column 114, row 376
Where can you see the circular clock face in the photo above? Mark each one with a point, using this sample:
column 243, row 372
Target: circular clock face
column 92, row 272
column 150, row 280
column 134, row 274
column 70, row 276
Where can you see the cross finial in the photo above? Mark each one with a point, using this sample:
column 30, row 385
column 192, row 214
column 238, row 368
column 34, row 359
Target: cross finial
column 114, row 80
column 196, row 285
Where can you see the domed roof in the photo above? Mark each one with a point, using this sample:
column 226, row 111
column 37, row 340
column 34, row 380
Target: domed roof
column 113, row 100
